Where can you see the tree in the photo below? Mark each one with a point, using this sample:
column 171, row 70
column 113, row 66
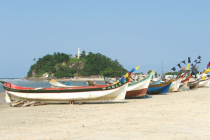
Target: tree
column 98, row 63
column 150, row 71
column 101, row 73
column 70, row 56
column 83, row 55
column 79, row 66
column 92, row 64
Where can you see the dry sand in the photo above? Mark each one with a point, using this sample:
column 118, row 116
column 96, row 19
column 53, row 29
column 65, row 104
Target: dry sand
column 177, row 115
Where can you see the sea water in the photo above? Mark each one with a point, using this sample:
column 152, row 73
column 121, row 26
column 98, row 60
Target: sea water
column 36, row 84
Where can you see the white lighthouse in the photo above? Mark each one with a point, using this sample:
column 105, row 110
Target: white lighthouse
column 78, row 53
column 87, row 52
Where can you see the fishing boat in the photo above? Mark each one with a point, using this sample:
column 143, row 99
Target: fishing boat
column 90, row 83
column 135, row 89
column 204, row 83
column 185, row 81
column 57, row 84
column 176, row 84
column 193, row 84
column 159, row 88
column 139, row 88
column 183, row 84
column 156, row 82
column 109, row 93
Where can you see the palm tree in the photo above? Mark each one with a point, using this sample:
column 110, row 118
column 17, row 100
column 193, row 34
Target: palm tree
column 83, row 55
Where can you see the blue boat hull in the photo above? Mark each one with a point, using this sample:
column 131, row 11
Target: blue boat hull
column 159, row 89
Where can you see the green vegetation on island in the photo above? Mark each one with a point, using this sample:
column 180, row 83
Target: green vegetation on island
column 173, row 73
column 150, row 71
column 61, row 65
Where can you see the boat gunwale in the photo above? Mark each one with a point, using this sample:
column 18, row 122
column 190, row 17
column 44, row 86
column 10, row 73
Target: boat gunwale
column 148, row 76
column 64, row 90
column 162, row 84
column 187, row 79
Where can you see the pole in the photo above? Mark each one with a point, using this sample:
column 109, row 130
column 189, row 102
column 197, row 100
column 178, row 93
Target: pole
column 162, row 69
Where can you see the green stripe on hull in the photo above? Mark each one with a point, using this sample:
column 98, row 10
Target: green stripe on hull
column 148, row 76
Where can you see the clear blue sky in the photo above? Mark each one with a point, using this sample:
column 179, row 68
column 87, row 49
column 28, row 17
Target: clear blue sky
column 135, row 32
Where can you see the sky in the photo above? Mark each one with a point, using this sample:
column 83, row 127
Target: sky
column 154, row 34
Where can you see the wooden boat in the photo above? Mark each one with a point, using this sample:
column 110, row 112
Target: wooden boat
column 135, row 89
column 185, row 81
column 156, row 82
column 176, row 84
column 110, row 93
column 183, row 84
column 90, row 83
column 159, row 88
column 194, row 84
column 204, row 83
column 57, row 84
column 139, row 88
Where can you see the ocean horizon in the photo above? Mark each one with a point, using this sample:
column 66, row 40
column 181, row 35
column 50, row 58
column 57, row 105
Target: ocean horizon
column 10, row 78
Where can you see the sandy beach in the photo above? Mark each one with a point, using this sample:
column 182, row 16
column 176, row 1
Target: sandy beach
column 176, row 115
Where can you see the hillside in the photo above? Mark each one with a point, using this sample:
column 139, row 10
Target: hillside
column 61, row 65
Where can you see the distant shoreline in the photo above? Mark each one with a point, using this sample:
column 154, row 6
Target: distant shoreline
column 67, row 79
column 75, row 79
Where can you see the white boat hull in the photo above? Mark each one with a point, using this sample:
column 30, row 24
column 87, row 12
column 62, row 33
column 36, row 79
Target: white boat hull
column 117, row 94
column 204, row 83
column 175, row 85
column 139, row 88
column 142, row 85
column 184, row 84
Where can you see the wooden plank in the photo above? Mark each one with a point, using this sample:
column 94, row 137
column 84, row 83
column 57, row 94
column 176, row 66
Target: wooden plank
column 16, row 103
column 29, row 103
